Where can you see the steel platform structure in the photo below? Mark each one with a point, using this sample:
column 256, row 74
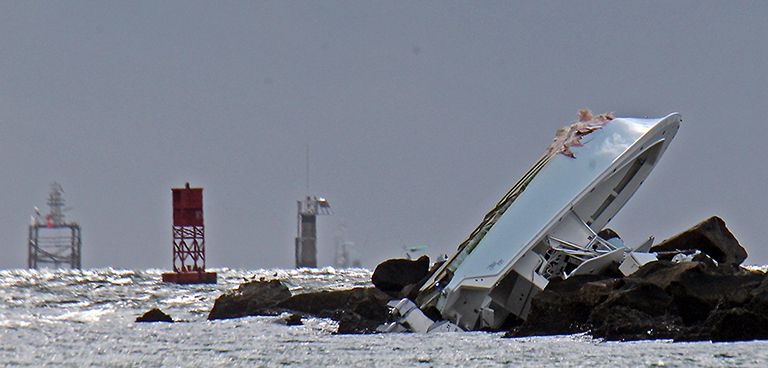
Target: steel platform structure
column 52, row 240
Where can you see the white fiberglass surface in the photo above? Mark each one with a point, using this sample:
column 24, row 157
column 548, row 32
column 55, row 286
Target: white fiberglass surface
column 557, row 184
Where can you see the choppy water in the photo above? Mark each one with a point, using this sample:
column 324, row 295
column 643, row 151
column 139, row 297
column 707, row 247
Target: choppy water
column 86, row 318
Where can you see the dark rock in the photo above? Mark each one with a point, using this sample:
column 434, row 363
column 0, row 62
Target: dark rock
column 691, row 300
column 353, row 323
column 698, row 291
column 374, row 307
column 759, row 298
column 250, row 299
column 358, row 310
column 392, row 275
column 639, row 295
column 625, row 323
column 293, row 319
column 154, row 315
column 696, row 288
column 663, row 273
column 410, row 291
column 564, row 307
column 686, row 301
column 365, row 301
column 324, row 303
column 712, row 237
column 737, row 324
column 706, row 260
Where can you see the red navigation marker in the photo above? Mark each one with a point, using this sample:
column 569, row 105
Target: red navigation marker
column 188, row 239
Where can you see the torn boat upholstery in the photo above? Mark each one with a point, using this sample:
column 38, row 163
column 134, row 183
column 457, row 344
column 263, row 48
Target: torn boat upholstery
column 546, row 225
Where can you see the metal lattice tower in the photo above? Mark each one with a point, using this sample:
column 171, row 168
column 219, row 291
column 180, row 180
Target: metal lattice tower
column 188, row 238
column 54, row 241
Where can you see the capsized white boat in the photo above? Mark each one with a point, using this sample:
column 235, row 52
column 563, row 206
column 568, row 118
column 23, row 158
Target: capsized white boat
column 545, row 226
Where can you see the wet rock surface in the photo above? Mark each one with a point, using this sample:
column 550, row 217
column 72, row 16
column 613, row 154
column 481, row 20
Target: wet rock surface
column 250, row 299
column 358, row 310
column 154, row 315
column 292, row 319
column 686, row 301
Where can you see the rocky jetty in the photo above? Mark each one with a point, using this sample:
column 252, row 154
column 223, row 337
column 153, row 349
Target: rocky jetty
column 154, row 315
column 358, row 310
column 695, row 291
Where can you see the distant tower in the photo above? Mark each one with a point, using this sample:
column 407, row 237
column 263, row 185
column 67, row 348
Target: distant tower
column 306, row 239
column 188, row 238
column 54, row 241
column 343, row 258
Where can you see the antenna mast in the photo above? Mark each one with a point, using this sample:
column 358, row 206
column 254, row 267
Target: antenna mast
column 307, row 167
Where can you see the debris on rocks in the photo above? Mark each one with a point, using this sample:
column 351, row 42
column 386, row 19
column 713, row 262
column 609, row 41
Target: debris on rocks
column 711, row 237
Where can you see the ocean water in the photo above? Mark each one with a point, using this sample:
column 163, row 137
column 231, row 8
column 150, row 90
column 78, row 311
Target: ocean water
column 86, row 318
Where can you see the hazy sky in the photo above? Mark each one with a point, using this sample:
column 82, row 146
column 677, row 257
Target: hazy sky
column 418, row 115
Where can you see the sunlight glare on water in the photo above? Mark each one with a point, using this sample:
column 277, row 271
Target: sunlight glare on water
column 86, row 318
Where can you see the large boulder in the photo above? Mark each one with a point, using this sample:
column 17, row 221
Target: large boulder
column 392, row 275
column 154, row 315
column 663, row 273
column 710, row 236
column 250, row 299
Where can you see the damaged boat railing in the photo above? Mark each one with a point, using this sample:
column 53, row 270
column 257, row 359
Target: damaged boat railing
column 596, row 246
column 590, row 249
column 560, row 250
